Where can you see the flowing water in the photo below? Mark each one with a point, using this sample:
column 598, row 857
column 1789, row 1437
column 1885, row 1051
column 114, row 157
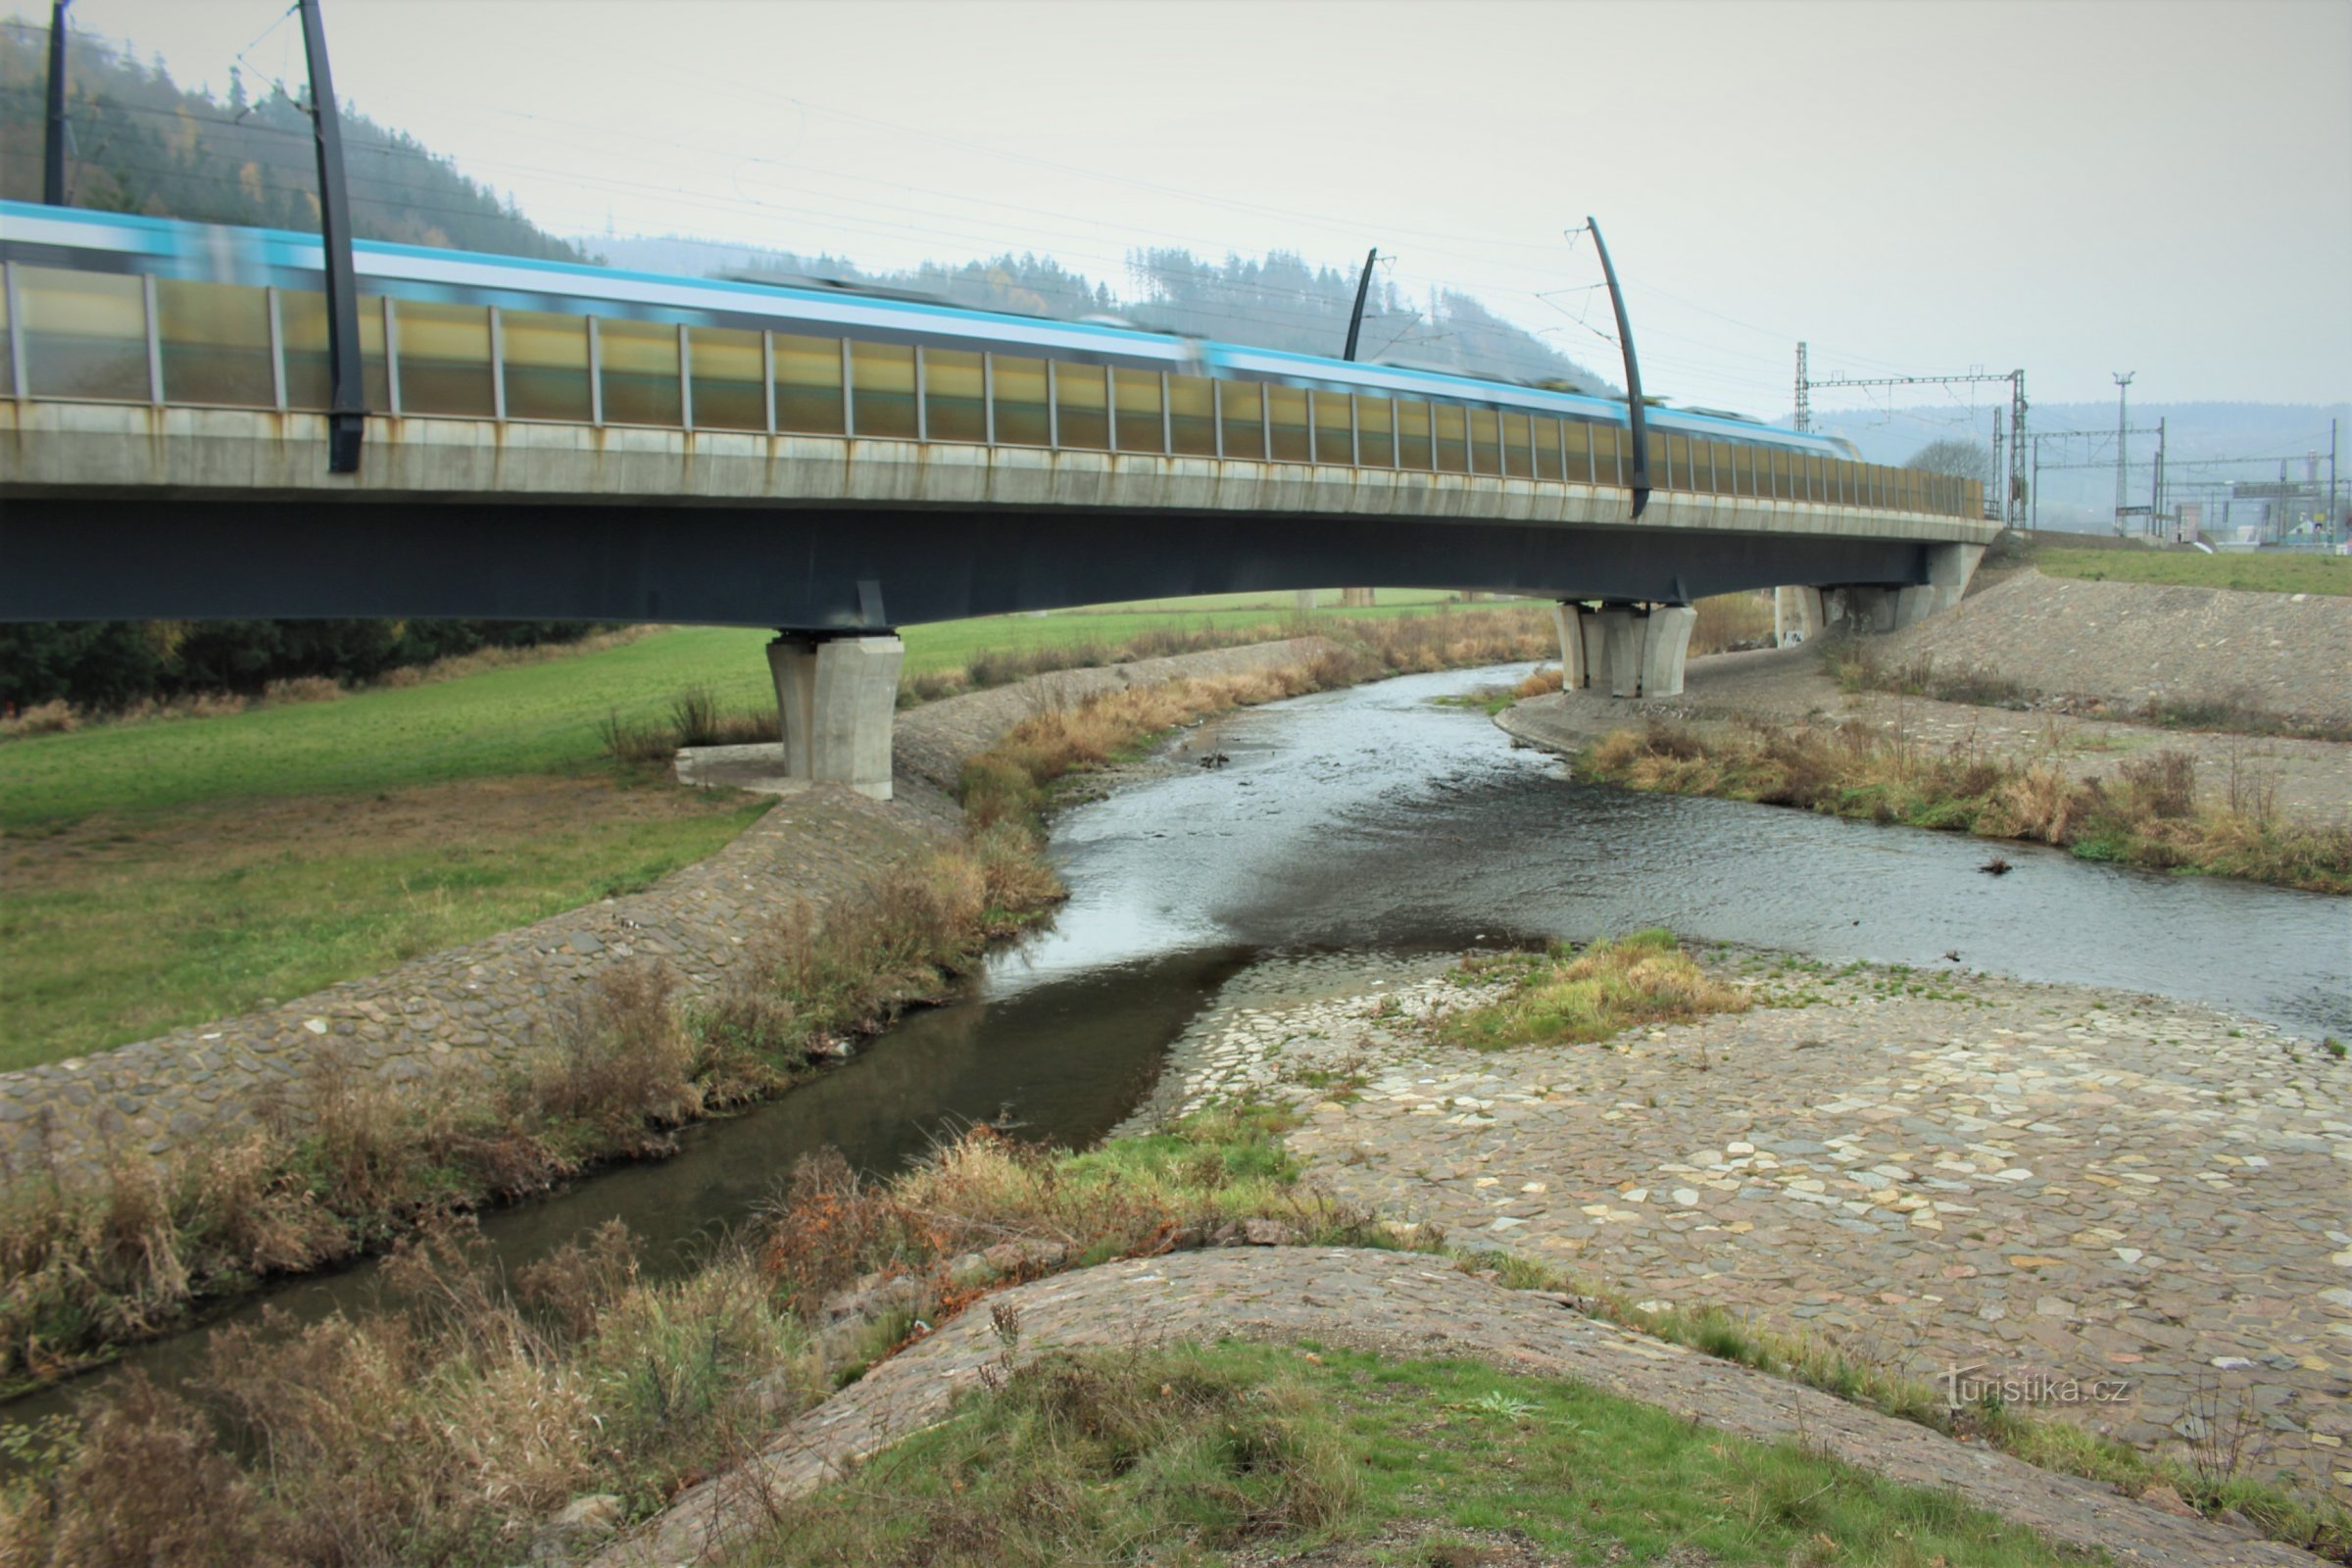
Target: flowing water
column 1374, row 818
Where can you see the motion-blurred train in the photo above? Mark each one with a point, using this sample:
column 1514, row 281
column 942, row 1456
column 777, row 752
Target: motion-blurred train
column 235, row 317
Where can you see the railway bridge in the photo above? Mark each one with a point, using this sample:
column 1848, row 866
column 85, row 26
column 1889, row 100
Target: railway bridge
column 165, row 454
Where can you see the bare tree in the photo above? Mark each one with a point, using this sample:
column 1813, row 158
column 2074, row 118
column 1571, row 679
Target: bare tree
column 1962, row 459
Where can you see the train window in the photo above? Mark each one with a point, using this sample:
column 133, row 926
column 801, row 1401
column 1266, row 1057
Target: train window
column 954, row 409
column 85, row 334
column 1243, row 408
column 807, row 384
column 545, row 361
column 1082, row 406
column 1413, row 450
column 1448, row 420
column 1608, row 467
column 640, row 371
column 1285, row 415
column 882, row 390
column 1192, row 414
column 1518, row 447
column 1139, row 403
column 1335, row 428
column 302, row 337
column 1486, row 442
column 727, row 379
column 8, row 359
column 214, row 339
column 1374, row 438
column 1576, row 451
column 1547, row 447
column 445, row 359
column 1783, row 485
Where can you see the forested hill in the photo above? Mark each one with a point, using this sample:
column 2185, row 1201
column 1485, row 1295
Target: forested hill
column 144, row 144
column 1278, row 303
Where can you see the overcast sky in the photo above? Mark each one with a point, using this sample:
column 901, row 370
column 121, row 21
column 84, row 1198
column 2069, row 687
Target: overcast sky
column 1913, row 187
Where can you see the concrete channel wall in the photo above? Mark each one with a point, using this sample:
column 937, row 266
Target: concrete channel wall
column 487, row 1005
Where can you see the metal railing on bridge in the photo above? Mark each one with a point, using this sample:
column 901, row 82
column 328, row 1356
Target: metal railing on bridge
column 114, row 338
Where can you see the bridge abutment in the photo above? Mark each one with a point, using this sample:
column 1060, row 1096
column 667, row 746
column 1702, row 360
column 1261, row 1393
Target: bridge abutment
column 837, row 697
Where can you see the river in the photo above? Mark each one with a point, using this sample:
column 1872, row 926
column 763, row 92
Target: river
column 1377, row 819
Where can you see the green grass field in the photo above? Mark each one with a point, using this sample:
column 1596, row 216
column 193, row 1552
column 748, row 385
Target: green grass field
column 169, row 871
column 532, row 718
column 2264, row 572
column 1341, row 1457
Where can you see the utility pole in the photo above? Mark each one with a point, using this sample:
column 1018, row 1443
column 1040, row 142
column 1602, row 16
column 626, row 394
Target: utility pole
column 2156, row 483
column 1364, row 287
column 346, row 417
column 2015, row 502
column 2332, row 514
column 53, row 147
column 2122, row 394
column 1999, row 470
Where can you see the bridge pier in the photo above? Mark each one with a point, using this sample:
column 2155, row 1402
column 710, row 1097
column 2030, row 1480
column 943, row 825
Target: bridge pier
column 1626, row 650
column 836, row 696
column 1798, row 615
column 1875, row 607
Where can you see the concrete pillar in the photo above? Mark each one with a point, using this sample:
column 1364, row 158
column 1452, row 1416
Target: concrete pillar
column 1950, row 567
column 1590, row 632
column 1306, row 600
column 1565, row 619
column 1798, row 615
column 836, row 696
column 1869, row 608
column 1665, row 639
column 1621, row 646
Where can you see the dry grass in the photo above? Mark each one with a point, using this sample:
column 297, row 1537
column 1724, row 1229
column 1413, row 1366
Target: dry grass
column 1857, row 665
column 449, row 1428
column 2150, row 814
column 445, row 1430
column 1567, row 998
column 302, row 689
column 1729, row 622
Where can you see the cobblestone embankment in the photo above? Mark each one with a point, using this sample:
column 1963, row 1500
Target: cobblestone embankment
column 2130, row 643
column 484, row 1004
column 1399, row 1305
column 2030, row 1183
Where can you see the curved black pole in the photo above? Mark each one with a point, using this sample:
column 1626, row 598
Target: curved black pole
column 53, row 150
column 1363, row 286
column 1633, row 373
column 346, row 417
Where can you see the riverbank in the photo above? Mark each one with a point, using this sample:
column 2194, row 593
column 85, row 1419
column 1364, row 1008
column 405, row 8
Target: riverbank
column 2039, row 1186
column 546, row 1412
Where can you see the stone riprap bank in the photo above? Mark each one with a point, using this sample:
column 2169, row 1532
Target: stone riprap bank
column 487, row 1005
column 2020, row 1184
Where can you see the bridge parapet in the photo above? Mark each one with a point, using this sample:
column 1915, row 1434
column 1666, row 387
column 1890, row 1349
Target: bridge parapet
column 66, row 449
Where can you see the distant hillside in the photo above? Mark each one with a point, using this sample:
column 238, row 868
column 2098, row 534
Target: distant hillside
column 1279, row 303
column 2196, row 436
column 144, row 144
